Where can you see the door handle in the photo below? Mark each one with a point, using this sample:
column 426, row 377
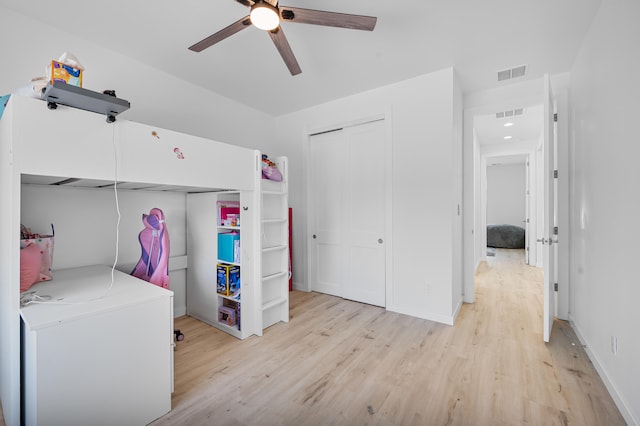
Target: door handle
column 314, row 236
column 380, row 241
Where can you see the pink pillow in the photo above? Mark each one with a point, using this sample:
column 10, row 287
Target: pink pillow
column 30, row 258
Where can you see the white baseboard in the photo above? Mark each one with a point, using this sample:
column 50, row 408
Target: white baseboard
column 457, row 310
column 300, row 286
column 613, row 391
column 444, row 319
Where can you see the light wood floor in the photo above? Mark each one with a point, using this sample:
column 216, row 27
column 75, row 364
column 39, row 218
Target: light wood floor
column 344, row 363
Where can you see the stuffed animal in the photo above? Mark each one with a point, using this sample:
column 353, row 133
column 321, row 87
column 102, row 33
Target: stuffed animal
column 270, row 169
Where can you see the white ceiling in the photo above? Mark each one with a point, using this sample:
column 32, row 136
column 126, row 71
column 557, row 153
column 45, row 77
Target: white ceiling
column 413, row 37
column 525, row 130
column 527, row 127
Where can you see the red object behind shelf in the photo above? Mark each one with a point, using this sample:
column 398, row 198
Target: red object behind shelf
column 290, row 253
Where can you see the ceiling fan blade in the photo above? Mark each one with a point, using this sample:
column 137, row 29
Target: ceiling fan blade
column 222, row 34
column 331, row 19
column 244, row 2
column 283, row 47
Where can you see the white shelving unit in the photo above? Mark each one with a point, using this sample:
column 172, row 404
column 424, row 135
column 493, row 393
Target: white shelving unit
column 274, row 231
column 203, row 300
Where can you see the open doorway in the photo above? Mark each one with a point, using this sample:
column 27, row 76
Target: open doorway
column 503, row 104
column 507, row 181
column 506, row 205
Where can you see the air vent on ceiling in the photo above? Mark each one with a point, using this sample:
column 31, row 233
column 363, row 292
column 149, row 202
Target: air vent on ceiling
column 510, row 113
column 512, row 73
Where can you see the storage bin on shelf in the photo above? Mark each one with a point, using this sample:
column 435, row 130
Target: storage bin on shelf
column 229, row 247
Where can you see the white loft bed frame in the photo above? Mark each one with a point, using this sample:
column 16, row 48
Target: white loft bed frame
column 41, row 146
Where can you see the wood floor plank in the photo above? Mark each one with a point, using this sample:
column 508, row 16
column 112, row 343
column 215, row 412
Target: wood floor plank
column 339, row 362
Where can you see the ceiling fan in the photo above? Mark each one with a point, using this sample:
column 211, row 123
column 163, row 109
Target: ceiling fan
column 268, row 14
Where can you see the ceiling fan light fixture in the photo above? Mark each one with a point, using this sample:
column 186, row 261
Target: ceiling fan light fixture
column 264, row 16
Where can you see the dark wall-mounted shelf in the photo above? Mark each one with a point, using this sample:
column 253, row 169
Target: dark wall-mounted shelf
column 64, row 94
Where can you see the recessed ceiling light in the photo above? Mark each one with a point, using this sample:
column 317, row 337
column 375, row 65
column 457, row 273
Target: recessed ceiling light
column 508, row 137
column 508, row 124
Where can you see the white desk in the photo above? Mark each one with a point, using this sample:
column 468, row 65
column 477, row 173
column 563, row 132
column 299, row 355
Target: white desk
column 93, row 356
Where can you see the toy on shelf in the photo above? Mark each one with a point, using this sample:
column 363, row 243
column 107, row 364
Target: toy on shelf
column 270, row 169
column 67, row 69
column 228, row 280
column 36, row 257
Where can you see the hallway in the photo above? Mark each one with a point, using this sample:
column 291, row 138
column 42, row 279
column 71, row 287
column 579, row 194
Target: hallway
column 554, row 382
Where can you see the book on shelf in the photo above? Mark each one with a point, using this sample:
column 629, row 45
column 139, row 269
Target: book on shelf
column 236, row 251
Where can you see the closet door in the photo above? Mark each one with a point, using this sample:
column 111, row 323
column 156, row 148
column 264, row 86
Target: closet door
column 347, row 213
column 327, row 163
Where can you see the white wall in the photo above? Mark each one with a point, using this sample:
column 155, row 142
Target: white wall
column 156, row 97
column 458, row 202
column 506, row 194
column 604, row 150
column 422, row 114
column 85, row 223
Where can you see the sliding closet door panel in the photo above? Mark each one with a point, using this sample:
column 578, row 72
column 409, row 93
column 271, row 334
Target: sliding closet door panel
column 326, row 214
column 347, row 213
column 364, row 235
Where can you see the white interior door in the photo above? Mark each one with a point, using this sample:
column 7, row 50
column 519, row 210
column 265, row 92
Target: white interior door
column 549, row 198
column 347, row 213
column 364, row 200
column 326, row 167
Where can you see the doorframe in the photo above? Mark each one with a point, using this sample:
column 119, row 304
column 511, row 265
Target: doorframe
column 529, row 156
column 560, row 86
column 549, row 222
column 387, row 117
column 488, row 102
column 475, row 167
